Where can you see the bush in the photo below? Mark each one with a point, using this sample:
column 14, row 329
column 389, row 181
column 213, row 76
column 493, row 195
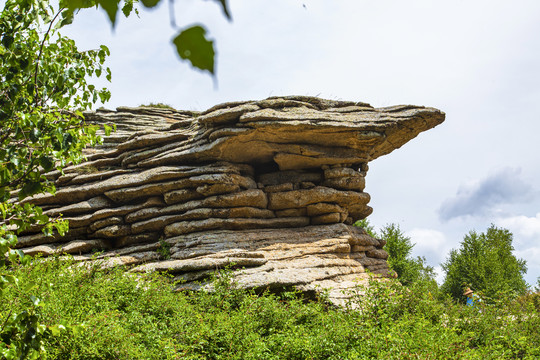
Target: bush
column 399, row 248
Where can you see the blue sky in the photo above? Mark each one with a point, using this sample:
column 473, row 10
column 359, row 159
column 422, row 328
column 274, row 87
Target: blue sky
column 478, row 61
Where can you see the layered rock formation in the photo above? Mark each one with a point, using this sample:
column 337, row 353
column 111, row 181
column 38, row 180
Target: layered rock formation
column 270, row 186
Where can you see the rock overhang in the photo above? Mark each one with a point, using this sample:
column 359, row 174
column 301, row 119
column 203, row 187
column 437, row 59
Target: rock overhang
column 301, row 133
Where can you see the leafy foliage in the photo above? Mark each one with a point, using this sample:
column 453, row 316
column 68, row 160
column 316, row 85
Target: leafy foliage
column 43, row 91
column 164, row 250
column 485, row 263
column 158, row 105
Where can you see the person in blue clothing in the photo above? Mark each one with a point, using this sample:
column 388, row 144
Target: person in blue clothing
column 470, row 296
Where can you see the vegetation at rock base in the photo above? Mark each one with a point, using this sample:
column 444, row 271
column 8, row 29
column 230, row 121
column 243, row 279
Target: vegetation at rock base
column 128, row 316
column 164, row 250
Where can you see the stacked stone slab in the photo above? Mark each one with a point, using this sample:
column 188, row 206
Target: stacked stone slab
column 271, row 187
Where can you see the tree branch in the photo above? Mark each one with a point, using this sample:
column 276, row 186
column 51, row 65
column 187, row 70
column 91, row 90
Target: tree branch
column 41, row 52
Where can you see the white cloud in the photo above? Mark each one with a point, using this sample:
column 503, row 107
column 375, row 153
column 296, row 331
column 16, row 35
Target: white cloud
column 526, row 230
column 429, row 243
column 522, row 225
column 439, row 274
column 531, row 255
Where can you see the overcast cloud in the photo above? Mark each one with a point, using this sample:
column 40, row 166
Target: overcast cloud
column 478, row 61
column 484, row 197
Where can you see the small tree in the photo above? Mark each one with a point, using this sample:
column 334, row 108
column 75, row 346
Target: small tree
column 399, row 248
column 364, row 224
column 485, row 263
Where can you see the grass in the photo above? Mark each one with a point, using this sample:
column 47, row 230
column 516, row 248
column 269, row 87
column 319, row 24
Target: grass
column 127, row 316
column 164, row 250
column 87, row 169
column 158, row 105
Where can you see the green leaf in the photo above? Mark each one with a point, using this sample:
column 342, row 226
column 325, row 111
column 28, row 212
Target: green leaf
column 67, row 139
column 34, row 134
column 35, row 300
column 62, row 227
column 7, row 40
column 105, row 49
column 150, row 3
column 15, row 161
column 42, row 219
column 46, row 163
column 57, row 329
column 23, row 63
column 67, row 18
column 191, row 44
column 15, row 255
column 77, row 4
column 111, row 7
column 127, row 8
column 9, row 279
column 12, row 239
column 29, row 189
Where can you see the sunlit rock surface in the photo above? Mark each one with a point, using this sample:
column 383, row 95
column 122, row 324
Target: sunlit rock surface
column 272, row 187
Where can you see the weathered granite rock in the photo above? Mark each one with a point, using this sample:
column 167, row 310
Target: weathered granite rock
column 270, row 187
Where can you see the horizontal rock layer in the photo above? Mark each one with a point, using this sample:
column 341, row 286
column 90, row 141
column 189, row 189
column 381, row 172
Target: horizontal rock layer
column 271, row 185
